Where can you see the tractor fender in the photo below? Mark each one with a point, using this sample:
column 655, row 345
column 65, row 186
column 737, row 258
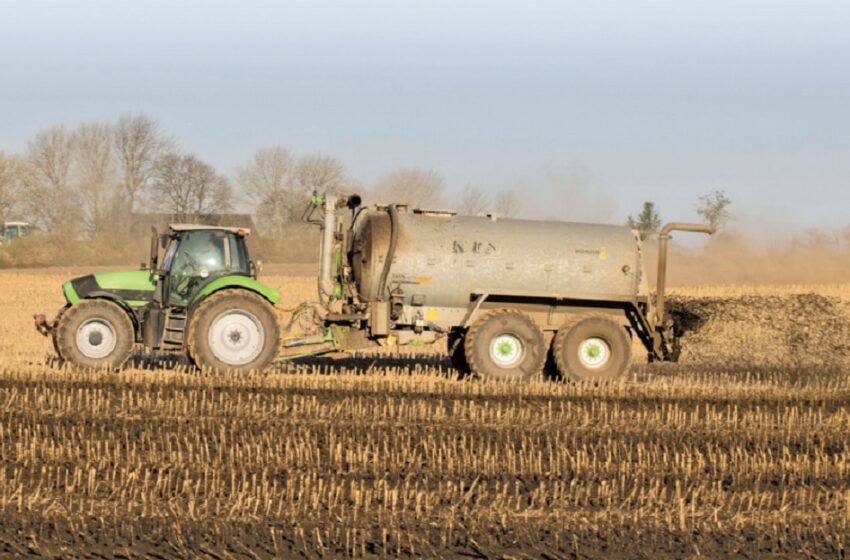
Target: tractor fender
column 239, row 282
column 118, row 301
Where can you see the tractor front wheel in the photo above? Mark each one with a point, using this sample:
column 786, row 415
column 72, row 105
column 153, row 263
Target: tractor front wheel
column 233, row 330
column 95, row 334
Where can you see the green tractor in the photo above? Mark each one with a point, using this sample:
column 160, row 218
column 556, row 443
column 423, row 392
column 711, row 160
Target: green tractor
column 202, row 299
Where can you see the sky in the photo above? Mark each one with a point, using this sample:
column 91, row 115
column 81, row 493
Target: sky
column 586, row 108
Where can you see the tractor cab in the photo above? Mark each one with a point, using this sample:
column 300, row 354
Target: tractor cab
column 14, row 230
column 196, row 255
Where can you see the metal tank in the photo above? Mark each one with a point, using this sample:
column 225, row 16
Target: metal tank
column 440, row 259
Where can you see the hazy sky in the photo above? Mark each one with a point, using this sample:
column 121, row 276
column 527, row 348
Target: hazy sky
column 592, row 106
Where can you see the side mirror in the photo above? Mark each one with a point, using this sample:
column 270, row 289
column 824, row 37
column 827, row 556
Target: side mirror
column 254, row 268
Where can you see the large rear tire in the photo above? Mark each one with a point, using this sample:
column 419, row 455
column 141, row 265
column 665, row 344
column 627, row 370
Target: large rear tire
column 95, row 334
column 593, row 349
column 235, row 331
column 506, row 345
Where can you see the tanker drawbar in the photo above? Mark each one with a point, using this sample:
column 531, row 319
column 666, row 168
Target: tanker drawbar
column 509, row 296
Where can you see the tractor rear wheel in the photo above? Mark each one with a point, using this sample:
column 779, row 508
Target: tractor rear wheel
column 233, row 330
column 505, row 344
column 593, row 349
column 95, row 334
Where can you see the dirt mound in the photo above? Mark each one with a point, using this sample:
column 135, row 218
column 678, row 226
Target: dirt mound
column 801, row 329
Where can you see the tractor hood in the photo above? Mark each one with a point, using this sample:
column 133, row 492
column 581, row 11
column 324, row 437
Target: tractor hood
column 135, row 287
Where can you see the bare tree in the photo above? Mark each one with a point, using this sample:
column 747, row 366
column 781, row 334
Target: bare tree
column 647, row 222
column 186, row 186
column 472, row 201
column 139, row 143
column 11, row 178
column 95, row 175
column 507, row 203
column 321, row 174
column 714, row 208
column 416, row 187
column 269, row 183
column 49, row 192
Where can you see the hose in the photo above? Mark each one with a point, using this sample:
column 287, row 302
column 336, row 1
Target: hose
column 385, row 273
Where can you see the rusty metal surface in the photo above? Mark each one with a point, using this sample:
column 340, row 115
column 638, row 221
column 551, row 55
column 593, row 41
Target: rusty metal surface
column 441, row 260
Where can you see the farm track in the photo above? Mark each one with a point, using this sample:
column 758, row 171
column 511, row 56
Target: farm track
column 719, row 456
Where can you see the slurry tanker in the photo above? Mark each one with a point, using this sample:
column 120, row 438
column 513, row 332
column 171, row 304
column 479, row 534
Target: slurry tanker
column 510, row 297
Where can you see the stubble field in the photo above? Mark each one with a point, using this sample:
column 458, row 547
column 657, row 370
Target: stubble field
column 741, row 450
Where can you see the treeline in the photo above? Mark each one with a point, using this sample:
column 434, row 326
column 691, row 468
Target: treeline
column 86, row 182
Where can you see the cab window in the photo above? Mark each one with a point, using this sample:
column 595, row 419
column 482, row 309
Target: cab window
column 238, row 259
column 199, row 256
column 198, row 251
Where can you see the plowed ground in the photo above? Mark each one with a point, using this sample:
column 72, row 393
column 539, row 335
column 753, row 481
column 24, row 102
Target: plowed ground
column 739, row 451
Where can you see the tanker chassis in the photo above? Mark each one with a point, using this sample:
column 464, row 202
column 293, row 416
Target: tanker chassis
column 509, row 296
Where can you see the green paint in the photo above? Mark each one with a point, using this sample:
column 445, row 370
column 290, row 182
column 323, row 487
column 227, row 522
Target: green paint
column 136, row 303
column 317, row 200
column 594, row 351
column 235, row 281
column 70, row 294
column 335, row 334
column 139, row 280
column 505, row 349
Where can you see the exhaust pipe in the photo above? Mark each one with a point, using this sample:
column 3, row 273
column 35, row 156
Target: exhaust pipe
column 663, row 238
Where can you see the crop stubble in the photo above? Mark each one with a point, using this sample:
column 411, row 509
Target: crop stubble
column 726, row 453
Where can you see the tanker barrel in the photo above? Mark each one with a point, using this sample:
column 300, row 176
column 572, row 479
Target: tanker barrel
column 441, row 260
column 663, row 238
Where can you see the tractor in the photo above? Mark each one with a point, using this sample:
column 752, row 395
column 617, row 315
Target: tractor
column 202, row 299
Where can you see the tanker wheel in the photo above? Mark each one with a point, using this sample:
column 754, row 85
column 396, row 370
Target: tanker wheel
column 505, row 344
column 455, row 342
column 233, row 330
column 95, row 334
column 594, row 349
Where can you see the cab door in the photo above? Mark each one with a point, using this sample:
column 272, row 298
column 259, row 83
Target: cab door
column 200, row 257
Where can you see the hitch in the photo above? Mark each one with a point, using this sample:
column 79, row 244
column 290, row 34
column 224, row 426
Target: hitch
column 42, row 325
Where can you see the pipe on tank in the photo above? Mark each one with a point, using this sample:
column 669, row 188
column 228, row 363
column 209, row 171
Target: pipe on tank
column 388, row 261
column 663, row 238
column 326, row 283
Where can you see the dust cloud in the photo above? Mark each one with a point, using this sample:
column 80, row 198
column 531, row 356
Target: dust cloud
column 807, row 257
column 573, row 195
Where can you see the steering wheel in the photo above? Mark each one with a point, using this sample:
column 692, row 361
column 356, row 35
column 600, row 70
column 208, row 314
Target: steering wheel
column 187, row 276
column 190, row 262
